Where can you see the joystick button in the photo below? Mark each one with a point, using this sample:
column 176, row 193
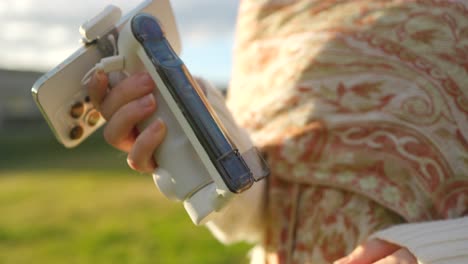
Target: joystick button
column 76, row 132
column 77, row 110
column 93, row 118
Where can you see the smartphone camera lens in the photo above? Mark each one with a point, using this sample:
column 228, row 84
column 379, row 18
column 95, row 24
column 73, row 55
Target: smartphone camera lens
column 76, row 132
column 77, row 110
column 93, row 118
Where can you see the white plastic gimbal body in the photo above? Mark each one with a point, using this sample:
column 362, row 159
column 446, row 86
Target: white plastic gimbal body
column 186, row 171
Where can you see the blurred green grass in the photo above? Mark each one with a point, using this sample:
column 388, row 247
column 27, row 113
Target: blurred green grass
column 85, row 206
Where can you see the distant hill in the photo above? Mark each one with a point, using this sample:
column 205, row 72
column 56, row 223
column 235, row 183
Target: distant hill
column 16, row 102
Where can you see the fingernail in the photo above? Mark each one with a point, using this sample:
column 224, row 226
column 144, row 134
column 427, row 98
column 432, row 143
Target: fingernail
column 146, row 79
column 157, row 125
column 147, row 100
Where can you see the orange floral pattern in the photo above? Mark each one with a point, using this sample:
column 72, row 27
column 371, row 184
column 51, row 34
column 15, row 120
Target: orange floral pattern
column 362, row 109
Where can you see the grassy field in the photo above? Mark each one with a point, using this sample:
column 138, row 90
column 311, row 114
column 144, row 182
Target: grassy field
column 85, row 206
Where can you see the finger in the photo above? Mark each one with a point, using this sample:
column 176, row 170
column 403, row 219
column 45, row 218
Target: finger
column 401, row 256
column 140, row 157
column 97, row 88
column 370, row 252
column 128, row 90
column 120, row 129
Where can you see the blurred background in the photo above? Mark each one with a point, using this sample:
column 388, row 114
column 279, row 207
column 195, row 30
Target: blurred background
column 84, row 205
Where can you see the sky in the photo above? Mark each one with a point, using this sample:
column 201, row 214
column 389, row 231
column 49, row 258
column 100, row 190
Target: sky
column 39, row 34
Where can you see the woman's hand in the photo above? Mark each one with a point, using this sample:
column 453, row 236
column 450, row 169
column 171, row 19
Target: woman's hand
column 378, row 252
column 125, row 105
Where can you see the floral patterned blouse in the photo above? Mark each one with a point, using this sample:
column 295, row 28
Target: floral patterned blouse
column 362, row 110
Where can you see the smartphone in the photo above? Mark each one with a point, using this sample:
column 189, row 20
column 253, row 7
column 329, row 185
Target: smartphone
column 60, row 95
